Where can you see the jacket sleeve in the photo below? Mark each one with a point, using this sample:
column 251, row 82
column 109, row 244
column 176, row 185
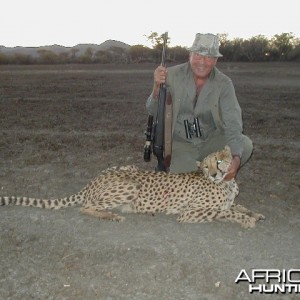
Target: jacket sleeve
column 151, row 105
column 232, row 118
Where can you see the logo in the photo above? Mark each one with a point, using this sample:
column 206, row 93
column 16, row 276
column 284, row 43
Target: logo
column 271, row 281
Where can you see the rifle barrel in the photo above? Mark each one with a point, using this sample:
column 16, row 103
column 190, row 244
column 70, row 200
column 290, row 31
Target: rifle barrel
column 158, row 146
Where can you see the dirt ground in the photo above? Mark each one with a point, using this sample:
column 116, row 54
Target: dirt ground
column 61, row 125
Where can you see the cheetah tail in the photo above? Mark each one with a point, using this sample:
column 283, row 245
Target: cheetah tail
column 73, row 200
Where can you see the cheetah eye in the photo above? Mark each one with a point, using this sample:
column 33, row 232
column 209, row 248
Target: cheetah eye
column 218, row 164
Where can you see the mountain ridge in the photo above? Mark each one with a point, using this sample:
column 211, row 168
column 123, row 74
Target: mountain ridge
column 58, row 49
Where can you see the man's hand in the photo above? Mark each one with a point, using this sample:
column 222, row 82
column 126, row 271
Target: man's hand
column 160, row 75
column 233, row 168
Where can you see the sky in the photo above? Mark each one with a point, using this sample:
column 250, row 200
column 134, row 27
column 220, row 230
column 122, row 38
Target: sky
column 34, row 23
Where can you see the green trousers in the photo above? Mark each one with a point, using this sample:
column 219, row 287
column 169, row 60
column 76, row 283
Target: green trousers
column 185, row 155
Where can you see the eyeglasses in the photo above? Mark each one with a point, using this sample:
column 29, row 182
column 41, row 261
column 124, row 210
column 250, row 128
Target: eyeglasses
column 208, row 59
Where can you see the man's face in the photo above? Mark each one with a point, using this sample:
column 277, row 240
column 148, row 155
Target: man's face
column 202, row 65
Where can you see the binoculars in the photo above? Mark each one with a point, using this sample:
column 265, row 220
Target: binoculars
column 192, row 129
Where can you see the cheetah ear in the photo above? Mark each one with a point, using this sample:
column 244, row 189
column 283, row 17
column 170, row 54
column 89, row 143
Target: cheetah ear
column 227, row 149
column 198, row 163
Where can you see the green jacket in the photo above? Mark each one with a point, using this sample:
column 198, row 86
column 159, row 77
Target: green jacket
column 218, row 96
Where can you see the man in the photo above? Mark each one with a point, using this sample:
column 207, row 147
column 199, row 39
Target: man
column 206, row 112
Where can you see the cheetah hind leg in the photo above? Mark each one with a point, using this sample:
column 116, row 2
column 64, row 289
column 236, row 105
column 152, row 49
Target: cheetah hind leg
column 101, row 214
column 119, row 193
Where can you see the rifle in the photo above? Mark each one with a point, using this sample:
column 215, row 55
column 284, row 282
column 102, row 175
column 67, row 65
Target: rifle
column 159, row 125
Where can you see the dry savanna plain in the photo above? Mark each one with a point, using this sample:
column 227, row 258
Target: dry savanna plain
column 62, row 125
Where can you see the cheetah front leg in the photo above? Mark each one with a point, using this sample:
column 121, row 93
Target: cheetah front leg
column 238, row 215
column 242, row 209
column 208, row 215
column 197, row 215
column 107, row 197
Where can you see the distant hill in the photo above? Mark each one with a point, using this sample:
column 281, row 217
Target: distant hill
column 57, row 49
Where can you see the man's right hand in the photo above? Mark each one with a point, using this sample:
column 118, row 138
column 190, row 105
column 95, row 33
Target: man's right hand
column 160, row 75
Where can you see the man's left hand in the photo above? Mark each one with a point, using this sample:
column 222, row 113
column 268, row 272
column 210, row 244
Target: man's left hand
column 233, row 168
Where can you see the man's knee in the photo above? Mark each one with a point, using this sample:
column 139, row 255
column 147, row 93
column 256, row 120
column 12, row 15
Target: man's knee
column 248, row 149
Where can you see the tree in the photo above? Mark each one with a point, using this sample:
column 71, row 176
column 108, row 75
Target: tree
column 22, row 59
column 139, row 53
column 177, row 54
column 295, row 53
column 224, row 46
column 119, row 55
column 232, row 50
column 74, row 52
column 223, row 38
column 87, row 57
column 283, row 45
column 256, row 49
column 48, row 57
column 157, row 40
column 64, row 57
column 4, row 59
column 102, row 57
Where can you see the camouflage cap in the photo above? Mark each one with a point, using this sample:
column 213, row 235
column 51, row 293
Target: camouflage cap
column 206, row 44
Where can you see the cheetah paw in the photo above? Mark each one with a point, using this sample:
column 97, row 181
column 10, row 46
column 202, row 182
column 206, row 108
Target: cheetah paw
column 259, row 217
column 249, row 223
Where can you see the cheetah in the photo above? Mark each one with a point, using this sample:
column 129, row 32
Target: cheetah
column 196, row 197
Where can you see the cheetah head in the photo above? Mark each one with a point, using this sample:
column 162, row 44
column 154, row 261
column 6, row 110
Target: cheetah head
column 215, row 165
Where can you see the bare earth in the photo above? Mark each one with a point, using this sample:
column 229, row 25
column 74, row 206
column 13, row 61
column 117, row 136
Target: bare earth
column 61, row 125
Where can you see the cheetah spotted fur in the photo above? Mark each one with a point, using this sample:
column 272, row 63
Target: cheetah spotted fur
column 195, row 197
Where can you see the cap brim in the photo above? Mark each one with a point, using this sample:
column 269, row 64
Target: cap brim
column 215, row 54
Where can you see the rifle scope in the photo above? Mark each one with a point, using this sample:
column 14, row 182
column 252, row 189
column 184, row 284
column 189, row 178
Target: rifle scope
column 148, row 143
